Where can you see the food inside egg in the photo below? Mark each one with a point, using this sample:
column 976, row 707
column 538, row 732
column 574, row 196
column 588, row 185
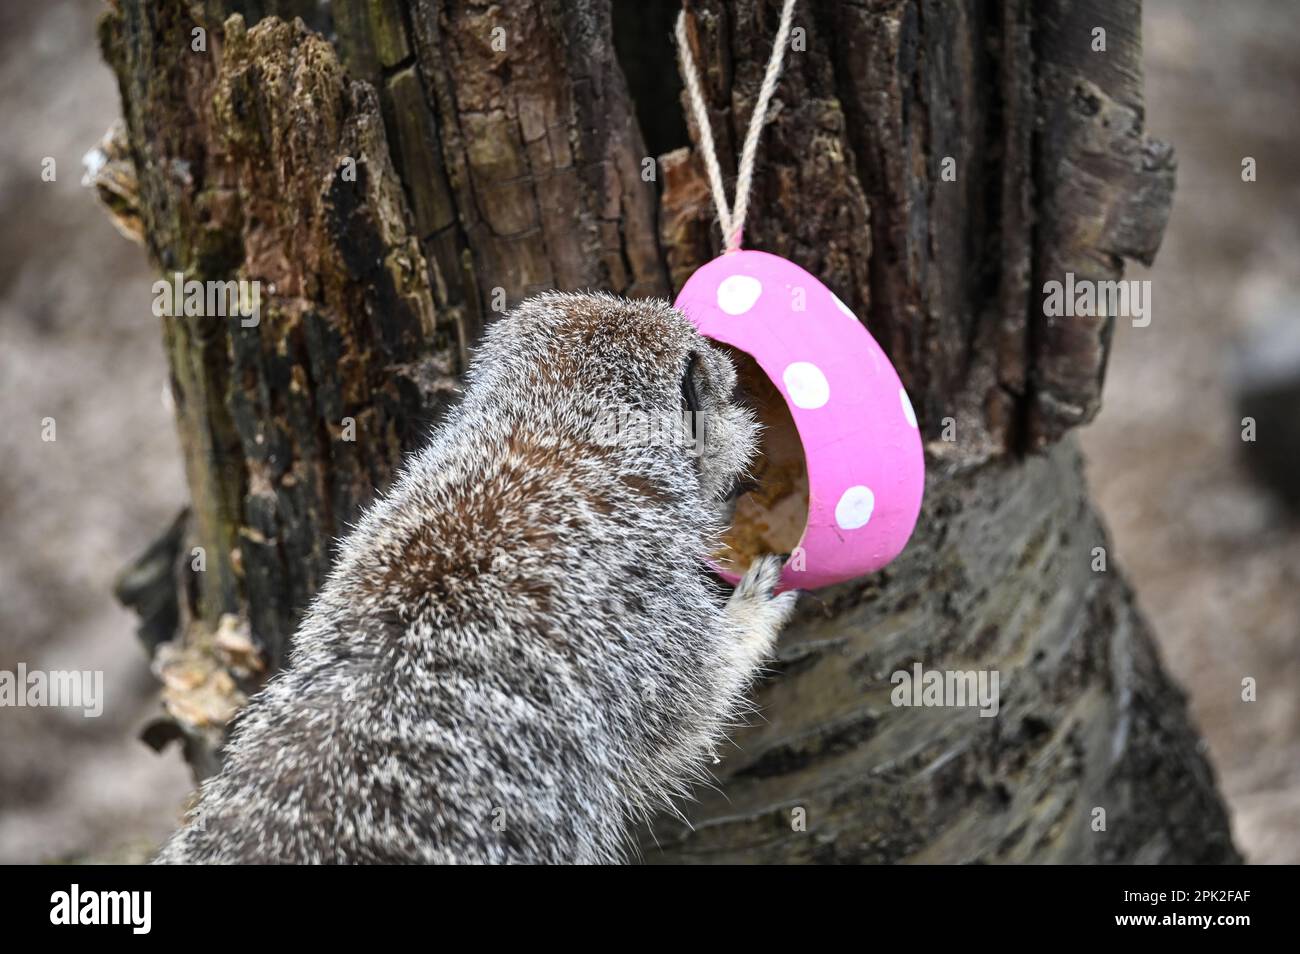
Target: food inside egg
column 771, row 516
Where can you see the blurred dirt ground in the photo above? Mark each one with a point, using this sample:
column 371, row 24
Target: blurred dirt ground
column 1216, row 566
column 1215, row 562
column 78, row 343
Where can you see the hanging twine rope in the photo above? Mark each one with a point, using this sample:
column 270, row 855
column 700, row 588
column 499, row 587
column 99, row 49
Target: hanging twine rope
column 733, row 222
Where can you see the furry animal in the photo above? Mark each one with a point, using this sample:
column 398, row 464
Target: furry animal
column 520, row 650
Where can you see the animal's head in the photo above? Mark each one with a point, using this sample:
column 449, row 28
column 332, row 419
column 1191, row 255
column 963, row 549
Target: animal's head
column 632, row 375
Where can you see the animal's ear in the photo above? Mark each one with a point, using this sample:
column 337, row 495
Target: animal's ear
column 691, row 411
column 690, row 392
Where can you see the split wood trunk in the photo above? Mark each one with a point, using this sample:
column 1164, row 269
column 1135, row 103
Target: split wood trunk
column 394, row 173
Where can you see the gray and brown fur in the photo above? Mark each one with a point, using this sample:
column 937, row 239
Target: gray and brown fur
column 519, row 651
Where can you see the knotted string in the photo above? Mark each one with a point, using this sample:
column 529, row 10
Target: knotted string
column 733, row 222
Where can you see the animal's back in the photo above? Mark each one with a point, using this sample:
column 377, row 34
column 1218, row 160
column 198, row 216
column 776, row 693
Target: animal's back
column 518, row 649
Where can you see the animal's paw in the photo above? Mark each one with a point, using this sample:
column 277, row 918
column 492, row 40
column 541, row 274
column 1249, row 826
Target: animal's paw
column 759, row 613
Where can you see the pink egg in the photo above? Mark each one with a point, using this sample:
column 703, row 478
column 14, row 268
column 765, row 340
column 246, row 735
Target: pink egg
column 866, row 467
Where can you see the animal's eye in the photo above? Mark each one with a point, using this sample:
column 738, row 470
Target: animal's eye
column 690, row 396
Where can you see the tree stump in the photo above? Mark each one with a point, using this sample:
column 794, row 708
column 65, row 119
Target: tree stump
column 394, row 173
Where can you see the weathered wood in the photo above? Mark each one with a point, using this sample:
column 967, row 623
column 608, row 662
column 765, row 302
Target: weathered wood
column 1105, row 193
column 497, row 153
column 240, row 154
column 999, row 578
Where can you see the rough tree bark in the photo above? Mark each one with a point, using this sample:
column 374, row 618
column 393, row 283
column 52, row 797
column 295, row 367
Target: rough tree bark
column 498, row 150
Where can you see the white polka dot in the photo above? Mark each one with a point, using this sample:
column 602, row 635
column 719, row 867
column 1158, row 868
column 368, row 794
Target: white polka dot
column 908, row 412
column 737, row 293
column 806, row 384
column 843, row 307
column 854, row 508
